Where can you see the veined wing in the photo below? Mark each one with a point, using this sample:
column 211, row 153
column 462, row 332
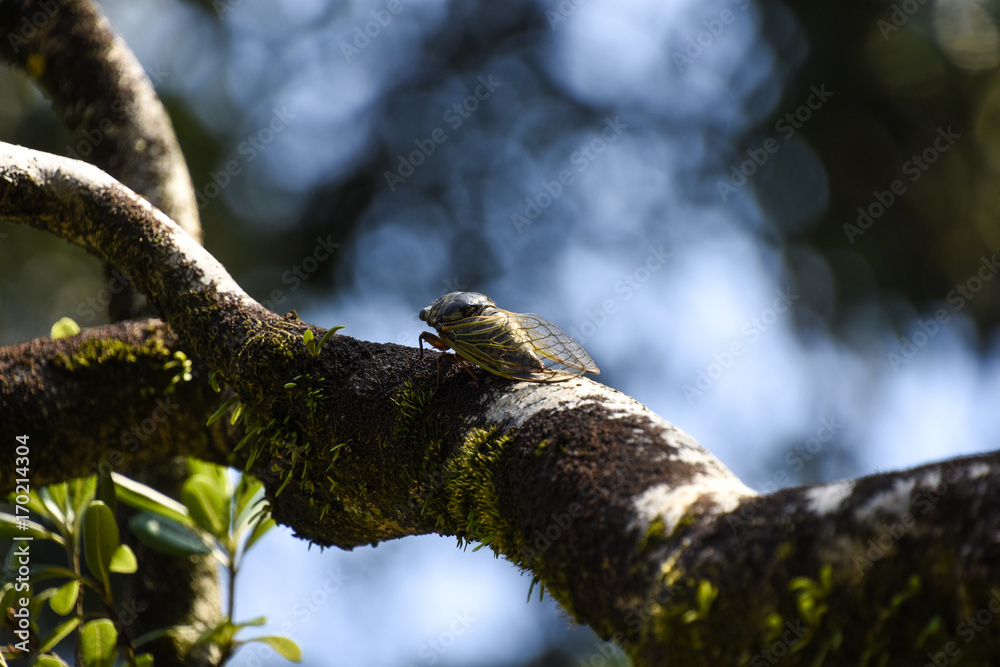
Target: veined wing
column 520, row 346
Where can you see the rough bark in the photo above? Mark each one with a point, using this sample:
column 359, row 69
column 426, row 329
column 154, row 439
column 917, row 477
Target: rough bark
column 631, row 525
column 101, row 92
column 102, row 401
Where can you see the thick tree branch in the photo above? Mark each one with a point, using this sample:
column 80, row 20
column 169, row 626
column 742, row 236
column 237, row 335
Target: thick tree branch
column 102, row 93
column 106, row 400
column 635, row 528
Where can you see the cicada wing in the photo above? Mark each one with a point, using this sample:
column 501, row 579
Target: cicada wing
column 562, row 356
column 489, row 341
column 519, row 346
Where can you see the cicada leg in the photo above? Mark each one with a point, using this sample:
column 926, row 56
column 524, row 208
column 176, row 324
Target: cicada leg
column 436, row 342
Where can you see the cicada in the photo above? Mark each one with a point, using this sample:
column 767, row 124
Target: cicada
column 519, row 346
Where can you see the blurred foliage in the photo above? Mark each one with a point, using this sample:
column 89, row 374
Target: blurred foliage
column 901, row 73
column 216, row 517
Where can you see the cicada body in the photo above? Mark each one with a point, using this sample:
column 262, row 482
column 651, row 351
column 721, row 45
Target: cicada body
column 520, row 346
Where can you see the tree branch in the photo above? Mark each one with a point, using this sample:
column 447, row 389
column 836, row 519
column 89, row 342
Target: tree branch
column 102, row 93
column 106, row 400
column 631, row 525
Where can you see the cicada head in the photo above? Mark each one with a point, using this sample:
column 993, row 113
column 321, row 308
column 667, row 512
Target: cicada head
column 455, row 306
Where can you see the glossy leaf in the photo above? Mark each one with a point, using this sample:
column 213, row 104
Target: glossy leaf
column 142, row 497
column 10, row 528
column 64, row 328
column 221, row 633
column 65, row 598
column 166, row 535
column 100, row 540
column 263, row 524
column 50, row 660
column 99, row 643
column 283, row 646
column 59, row 633
column 243, row 499
column 123, row 560
column 43, row 572
column 54, row 499
column 80, row 491
column 208, row 506
column 104, row 490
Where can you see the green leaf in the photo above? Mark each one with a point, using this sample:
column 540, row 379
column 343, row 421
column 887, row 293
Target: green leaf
column 261, row 527
column 49, row 660
column 65, row 598
column 100, row 540
column 328, row 334
column 283, row 646
column 160, row 633
column 144, row 660
column 166, row 535
column 260, row 620
column 99, row 643
column 54, row 499
column 208, row 506
column 64, row 328
column 220, row 634
column 103, row 489
column 123, row 560
column 142, row 497
column 230, row 402
column 246, row 492
column 9, row 528
column 219, row 475
column 59, row 633
column 43, row 572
